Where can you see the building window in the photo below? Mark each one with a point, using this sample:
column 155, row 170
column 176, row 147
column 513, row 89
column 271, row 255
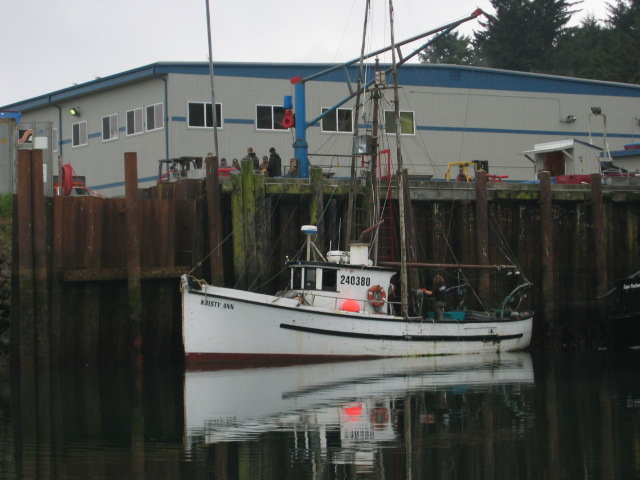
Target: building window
column 155, row 117
column 269, row 117
column 110, row 127
column 201, row 115
column 79, row 134
column 55, row 141
column 340, row 120
column 407, row 125
column 134, row 121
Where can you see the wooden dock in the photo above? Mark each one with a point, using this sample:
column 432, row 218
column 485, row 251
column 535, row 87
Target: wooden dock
column 96, row 280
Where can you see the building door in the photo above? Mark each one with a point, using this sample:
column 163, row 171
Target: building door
column 554, row 163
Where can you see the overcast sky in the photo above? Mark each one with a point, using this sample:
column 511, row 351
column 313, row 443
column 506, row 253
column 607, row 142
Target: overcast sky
column 49, row 45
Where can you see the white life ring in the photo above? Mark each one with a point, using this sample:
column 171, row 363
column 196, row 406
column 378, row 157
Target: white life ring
column 377, row 296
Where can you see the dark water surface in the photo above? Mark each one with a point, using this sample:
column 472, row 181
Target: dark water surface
column 511, row 416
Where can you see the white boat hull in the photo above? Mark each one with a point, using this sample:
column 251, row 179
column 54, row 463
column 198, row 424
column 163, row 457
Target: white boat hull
column 222, row 324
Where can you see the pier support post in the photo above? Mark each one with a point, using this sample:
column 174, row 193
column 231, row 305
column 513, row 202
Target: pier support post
column 239, row 233
column 216, row 262
column 262, row 235
column 23, row 325
column 411, row 234
column 482, row 233
column 41, row 298
column 599, row 243
column 546, row 241
column 249, row 207
column 134, row 282
column 316, row 207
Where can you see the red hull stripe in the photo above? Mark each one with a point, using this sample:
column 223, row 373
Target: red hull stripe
column 223, row 361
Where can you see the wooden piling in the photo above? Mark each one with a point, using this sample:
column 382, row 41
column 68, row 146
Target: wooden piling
column 134, row 283
column 262, row 234
column 216, row 263
column 482, row 233
column 41, row 287
column 57, row 252
column 547, row 257
column 316, row 206
column 411, row 231
column 599, row 245
column 597, row 212
column 249, row 209
column 239, row 232
column 24, row 326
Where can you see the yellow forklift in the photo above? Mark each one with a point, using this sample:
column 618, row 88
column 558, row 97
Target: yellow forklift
column 463, row 171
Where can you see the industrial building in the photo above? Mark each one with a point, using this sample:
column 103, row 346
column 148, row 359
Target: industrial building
column 448, row 114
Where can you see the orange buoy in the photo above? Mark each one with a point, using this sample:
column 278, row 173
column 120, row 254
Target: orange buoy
column 351, row 306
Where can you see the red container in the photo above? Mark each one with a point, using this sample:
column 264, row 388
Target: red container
column 572, row 179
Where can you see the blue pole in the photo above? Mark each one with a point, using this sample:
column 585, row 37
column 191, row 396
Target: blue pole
column 300, row 146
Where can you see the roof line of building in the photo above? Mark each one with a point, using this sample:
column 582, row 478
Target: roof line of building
column 547, row 83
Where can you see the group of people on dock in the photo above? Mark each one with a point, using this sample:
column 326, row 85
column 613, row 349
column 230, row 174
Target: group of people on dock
column 270, row 166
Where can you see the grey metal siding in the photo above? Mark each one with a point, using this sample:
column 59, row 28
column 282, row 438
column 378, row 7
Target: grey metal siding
column 477, row 114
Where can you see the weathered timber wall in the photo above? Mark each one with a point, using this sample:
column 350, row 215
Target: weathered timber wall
column 74, row 301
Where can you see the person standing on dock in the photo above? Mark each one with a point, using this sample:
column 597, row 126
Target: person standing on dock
column 264, row 166
column 275, row 164
column 254, row 158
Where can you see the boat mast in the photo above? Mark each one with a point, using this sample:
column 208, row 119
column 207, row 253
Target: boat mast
column 300, row 145
column 350, row 205
column 403, row 241
column 213, row 95
column 375, row 210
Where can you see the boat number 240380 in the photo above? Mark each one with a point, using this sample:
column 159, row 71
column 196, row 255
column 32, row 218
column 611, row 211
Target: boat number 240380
column 355, row 280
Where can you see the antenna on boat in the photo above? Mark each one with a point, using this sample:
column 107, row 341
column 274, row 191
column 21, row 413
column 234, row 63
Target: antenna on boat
column 309, row 230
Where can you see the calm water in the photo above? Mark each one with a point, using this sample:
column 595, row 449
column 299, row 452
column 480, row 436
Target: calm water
column 514, row 416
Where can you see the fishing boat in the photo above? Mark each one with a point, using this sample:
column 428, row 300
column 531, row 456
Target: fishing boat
column 342, row 305
column 336, row 308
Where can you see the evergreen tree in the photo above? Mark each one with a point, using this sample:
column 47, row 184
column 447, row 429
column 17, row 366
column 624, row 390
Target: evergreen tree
column 583, row 52
column 522, row 34
column 624, row 41
column 452, row 49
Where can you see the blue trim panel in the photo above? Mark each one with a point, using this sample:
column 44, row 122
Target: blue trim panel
column 522, row 132
column 121, row 184
column 622, row 153
column 239, row 121
column 13, row 115
column 178, row 119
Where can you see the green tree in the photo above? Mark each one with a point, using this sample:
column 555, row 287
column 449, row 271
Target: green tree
column 624, row 41
column 582, row 51
column 522, row 34
column 452, row 48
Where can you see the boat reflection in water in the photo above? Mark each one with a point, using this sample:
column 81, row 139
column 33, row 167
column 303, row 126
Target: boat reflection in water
column 349, row 409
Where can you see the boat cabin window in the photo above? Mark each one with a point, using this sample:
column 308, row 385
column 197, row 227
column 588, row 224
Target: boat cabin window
column 296, row 278
column 329, row 279
column 314, row 279
column 310, row 278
